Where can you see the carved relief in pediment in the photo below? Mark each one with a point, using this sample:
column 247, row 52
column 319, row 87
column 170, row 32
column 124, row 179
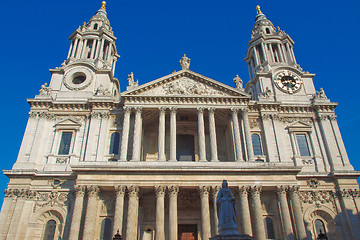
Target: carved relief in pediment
column 185, row 86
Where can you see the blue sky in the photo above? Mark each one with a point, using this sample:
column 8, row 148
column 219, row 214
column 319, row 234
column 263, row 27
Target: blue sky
column 152, row 37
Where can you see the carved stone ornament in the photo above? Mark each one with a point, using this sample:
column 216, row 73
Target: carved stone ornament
column 62, row 160
column 20, row 193
column 51, row 199
column 187, row 86
column 215, row 190
column 316, row 197
column 100, row 114
column 321, row 94
column 313, row 183
column 80, row 190
column 293, row 119
column 101, row 91
column 131, row 80
column 348, row 193
column 281, row 190
column 255, row 190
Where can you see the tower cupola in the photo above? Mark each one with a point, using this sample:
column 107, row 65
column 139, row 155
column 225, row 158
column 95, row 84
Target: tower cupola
column 94, row 42
column 269, row 47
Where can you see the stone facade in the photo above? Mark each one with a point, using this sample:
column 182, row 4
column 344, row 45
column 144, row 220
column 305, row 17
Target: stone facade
column 148, row 162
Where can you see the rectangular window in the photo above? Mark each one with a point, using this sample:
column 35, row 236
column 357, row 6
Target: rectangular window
column 259, row 50
column 303, row 145
column 64, row 148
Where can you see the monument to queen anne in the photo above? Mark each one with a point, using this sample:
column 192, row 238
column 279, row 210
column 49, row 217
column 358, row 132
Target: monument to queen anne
column 149, row 161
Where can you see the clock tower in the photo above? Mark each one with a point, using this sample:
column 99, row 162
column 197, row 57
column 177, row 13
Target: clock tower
column 274, row 72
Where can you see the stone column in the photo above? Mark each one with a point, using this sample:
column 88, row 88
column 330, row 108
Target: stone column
column 133, row 213
column 213, row 140
column 161, row 136
column 259, row 228
column 215, row 191
column 173, row 224
column 249, row 146
column 137, row 135
column 77, row 212
column 91, row 210
column 299, row 221
column 235, row 121
column 205, row 212
column 284, row 210
column 271, row 149
column 173, row 134
column 244, row 211
column 6, row 210
column 201, row 133
column 119, row 208
column 160, row 213
column 70, row 48
column 125, row 134
column 75, row 47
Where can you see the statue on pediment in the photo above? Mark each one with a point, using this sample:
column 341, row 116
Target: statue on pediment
column 185, row 62
column 321, row 94
column 238, row 81
column 131, row 80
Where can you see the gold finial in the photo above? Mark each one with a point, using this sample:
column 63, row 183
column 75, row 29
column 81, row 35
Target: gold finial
column 258, row 9
column 103, row 4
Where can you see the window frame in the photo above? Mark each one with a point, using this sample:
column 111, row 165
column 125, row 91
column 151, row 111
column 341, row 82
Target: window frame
column 308, row 143
column 70, row 145
column 261, row 144
column 119, row 145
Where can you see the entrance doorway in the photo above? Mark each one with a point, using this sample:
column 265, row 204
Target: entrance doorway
column 187, row 232
column 185, row 147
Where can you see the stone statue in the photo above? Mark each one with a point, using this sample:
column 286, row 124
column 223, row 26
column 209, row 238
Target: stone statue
column 238, row 81
column 321, row 94
column 131, row 80
column 101, row 91
column 267, row 92
column 185, row 62
column 226, row 210
column 44, row 90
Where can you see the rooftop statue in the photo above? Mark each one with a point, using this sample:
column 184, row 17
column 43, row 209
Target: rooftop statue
column 185, row 62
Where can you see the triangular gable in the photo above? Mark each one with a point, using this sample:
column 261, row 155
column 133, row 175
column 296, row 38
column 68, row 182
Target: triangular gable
column 67, row 124
column 185, row 83
column 299, row 126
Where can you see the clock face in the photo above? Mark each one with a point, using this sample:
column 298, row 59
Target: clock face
column 288, row 82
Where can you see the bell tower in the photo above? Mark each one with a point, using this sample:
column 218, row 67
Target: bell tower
column 274, row 72
column 89, row 68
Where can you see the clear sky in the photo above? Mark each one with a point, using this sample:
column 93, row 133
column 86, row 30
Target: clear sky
column 152, row 37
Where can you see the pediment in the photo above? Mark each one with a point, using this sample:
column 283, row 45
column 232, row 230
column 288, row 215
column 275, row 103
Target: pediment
column 186, row 83
column 299, row 126
column 67, row 124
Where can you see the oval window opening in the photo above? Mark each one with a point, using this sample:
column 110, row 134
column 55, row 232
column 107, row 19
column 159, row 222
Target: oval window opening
column 79, row 78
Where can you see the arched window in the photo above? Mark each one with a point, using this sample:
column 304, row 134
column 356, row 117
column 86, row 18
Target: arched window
column 114, row 143
column 256, row 141
column 106, row 232
column 95, row 26
column 269, row 228
column 267, row 30
column 319, row 227
column 49, row 232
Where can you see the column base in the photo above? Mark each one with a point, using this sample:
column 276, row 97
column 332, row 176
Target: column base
column 232, row 237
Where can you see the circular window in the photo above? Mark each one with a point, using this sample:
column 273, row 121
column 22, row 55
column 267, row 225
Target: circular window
column 79, row 78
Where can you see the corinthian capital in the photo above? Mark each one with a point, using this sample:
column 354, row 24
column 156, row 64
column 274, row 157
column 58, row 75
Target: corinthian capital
column 294, row 189
column 133, row 190
column 93, row 190
column 243, row 190
column 204, row 190
column 173, row 190
column 173, row 110
column 255, row 190
column 160, row 190
column 280, row 190
column 80, row 190
column 120, row 190
column 127, row 109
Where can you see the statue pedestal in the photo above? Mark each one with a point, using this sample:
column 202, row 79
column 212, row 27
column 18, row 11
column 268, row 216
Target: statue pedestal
column 232, row 237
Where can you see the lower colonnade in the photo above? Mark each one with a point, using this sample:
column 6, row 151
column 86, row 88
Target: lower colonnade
column 248, row 201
